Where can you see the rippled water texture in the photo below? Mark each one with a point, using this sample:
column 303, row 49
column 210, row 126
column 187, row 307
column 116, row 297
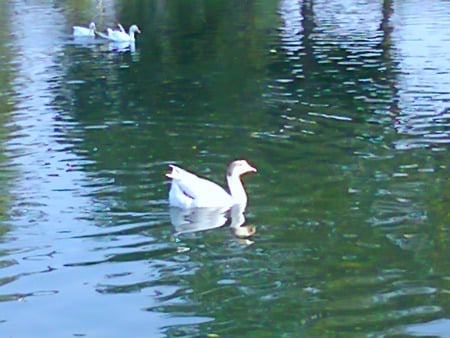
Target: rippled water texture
column 344, row 108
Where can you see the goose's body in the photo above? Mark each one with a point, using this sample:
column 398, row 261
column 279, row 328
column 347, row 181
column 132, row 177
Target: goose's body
column 79, row 31
column 190, row 191
column 120, row 35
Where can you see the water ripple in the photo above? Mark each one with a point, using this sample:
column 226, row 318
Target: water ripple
column 339, row 113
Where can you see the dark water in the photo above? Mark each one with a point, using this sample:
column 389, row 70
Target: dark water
column 344, row 108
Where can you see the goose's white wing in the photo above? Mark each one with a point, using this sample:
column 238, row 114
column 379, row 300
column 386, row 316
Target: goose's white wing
column 189, row 191
column 114, row 35
column 121, row 28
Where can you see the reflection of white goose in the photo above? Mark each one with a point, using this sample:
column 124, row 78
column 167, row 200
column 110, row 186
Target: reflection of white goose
column 196, row 219
column 83, row 31
column 123, row 46
column 120, row 34
column 190, row 191
column 202, row 219
column 237, row 222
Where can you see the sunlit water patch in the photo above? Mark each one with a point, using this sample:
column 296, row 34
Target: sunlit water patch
column 423, row 77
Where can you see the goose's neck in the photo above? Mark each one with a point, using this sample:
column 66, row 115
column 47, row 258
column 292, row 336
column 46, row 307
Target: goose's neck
column 237, row 190
column 131, row 34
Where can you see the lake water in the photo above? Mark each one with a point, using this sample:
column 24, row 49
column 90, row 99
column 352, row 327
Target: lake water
column 344, row 108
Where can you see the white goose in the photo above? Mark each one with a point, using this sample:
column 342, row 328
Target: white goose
column 190, row 191
column 83, row 31
column 120, row 35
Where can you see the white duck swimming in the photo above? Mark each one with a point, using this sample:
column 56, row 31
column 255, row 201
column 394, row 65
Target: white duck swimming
column 120, row 35
column 83, row 31
column 190, row 191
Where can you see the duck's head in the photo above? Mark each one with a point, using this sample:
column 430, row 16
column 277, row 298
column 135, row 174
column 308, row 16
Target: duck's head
column 92, row 26
column 134, row 29
column 240, row 167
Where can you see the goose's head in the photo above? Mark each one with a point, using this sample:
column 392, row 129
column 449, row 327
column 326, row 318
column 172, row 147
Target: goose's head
column 134, row 29
column 239, row 167
column 92, row 26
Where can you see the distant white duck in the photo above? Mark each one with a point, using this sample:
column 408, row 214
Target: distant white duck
column 120, row 35
column 190, row 191
column 83, row 31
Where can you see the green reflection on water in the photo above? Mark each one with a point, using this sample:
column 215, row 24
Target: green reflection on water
column 351, row 232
